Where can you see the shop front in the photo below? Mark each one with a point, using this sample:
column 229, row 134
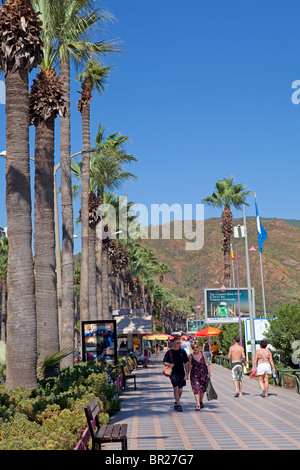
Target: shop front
column 130, row 331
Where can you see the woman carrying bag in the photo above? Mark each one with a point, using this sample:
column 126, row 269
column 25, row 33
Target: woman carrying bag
column 199, row 373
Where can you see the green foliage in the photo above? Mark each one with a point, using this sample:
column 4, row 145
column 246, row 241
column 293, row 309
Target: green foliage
column 228, row 333
column 284, row 330
column 51, row 417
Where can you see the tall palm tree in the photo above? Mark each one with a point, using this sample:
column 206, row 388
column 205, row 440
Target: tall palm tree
column 107, row 173
column 21, row 50
column 227, row 193
column 45, row 104
column 3, row 283
column 74, row 20
column 93, row 77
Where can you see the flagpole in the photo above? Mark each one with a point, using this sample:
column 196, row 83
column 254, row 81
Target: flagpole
column 262, row 285
column 250, row 299
column 261, row 273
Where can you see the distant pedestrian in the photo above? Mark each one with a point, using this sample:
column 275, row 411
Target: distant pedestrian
column 238, row 360
column 215, row 349
column 263, row 358
column 178, row 360
column 157, row 349
column 207, row 350
column 199, row 372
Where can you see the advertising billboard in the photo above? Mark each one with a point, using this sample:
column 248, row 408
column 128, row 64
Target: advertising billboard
column 222, row 306
column 261, row 325
column 99, row 341
column 194, row 326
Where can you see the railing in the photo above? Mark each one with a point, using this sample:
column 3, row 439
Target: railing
column 280, row 373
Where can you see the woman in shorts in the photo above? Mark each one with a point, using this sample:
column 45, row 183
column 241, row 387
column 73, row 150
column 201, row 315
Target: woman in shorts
column 263, row 359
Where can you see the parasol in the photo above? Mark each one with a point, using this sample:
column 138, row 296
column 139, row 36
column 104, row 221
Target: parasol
column 156, row 335
column 209, row 331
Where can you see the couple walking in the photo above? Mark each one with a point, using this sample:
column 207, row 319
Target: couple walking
column 263, row 359
column 195, row 365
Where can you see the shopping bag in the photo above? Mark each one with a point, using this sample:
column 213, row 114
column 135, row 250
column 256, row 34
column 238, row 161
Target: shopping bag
column 211, row 394
column 167, row 371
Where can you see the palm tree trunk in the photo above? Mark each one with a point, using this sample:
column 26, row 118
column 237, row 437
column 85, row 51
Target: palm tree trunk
column 85, row 185
column 44, row 241
column 105, row 282
column 3, row 310
column 68, row 308
column 21, row 323
column 99, row 261
column 92, row 274
column 227, row 228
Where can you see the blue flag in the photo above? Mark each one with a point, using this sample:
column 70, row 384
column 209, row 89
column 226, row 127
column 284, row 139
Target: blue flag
column 261, row 232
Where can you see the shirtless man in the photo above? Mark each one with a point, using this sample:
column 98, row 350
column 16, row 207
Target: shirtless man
column 237, row 357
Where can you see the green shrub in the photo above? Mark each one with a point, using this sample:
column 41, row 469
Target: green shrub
column 52, row 416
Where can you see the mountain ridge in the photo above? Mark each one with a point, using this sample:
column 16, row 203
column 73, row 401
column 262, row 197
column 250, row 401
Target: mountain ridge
column 189, row 271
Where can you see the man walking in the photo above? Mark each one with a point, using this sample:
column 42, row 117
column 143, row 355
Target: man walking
column 237, row 357
column 178, row 360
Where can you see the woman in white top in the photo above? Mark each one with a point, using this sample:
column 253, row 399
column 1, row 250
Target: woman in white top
column 264, row 360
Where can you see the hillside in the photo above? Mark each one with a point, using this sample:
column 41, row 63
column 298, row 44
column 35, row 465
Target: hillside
column 189, row 270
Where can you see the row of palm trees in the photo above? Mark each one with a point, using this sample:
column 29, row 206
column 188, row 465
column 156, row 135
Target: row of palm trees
column 51, row 34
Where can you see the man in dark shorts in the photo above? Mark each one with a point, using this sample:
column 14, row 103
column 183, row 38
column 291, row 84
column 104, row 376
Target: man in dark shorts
column 178, row 360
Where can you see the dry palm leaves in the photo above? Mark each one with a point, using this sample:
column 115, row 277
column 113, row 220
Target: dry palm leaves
column 86, row 94
column 20, row 42
column 46, row 97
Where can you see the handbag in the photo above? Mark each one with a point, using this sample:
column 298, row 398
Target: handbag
column 211, row 394
column 167, row 371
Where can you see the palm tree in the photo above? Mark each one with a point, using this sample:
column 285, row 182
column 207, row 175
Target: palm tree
column 21, row 50
column 107, row 173
column 74, row 20
column 45, row 103
column 93, row 77
column 227, row 193
column 3, row 276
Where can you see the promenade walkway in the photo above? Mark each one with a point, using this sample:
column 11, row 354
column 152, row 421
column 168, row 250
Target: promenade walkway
column 249, row 422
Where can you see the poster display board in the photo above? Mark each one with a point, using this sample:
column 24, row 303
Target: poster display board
column 260, row 327
column 194, row 326
column 222, row 306
column 99, row 341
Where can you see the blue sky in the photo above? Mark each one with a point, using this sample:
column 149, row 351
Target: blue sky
column 203, row 90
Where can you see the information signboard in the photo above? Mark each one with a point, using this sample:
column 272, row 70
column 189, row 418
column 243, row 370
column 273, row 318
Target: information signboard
column 222, row 306
column 99, row 341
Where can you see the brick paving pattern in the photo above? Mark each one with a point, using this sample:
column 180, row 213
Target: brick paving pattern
column 249, row 422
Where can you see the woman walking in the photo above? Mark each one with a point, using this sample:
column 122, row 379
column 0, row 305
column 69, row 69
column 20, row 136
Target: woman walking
column 263, row 359
column 199, row 372
column 207, row 349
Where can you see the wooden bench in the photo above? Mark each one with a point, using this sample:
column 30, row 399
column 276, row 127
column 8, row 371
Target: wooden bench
column 105, row 432
column 127, row 375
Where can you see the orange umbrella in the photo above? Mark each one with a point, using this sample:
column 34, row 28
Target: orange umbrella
column 209, row 331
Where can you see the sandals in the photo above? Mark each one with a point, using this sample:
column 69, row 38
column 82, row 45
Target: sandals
column 198, row 408
column 177, row 407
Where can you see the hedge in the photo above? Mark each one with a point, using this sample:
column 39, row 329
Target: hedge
column 52, row 416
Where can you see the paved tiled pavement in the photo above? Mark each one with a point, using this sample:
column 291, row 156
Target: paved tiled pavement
column 249, row 422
